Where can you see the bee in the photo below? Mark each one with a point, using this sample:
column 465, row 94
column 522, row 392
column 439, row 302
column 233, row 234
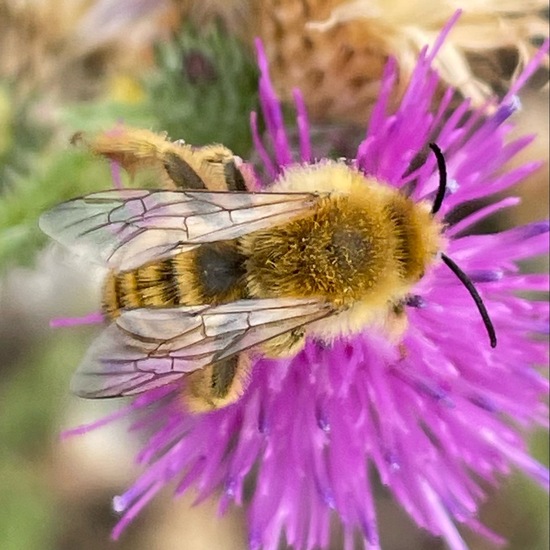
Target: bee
column 203, row 275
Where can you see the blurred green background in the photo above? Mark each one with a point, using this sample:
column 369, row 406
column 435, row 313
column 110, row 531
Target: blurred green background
column 64, row 70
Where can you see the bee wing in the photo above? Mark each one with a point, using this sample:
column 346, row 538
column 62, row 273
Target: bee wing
column 124, row 229
column 147, row 348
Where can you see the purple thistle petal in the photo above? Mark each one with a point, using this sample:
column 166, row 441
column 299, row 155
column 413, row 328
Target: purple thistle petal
column 116, row 175
column 120, row 504
column 272, row 111
column 303, row 126
column 80, row 430
column 528, row 71
column 481, row 214
column 95, row 318
column 260, row 149
column 444, row 33
column 379, row 111
column 486, row 275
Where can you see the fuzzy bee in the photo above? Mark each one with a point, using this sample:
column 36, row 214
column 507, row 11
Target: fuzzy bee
column 203, row 274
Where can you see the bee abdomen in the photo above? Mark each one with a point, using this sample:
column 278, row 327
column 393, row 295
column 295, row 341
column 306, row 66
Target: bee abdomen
column 220, row 272
column 158, row 284
column 213, row 273
column 120, row 292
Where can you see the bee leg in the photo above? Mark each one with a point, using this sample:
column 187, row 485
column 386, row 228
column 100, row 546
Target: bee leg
column 181, row 173
column 285, row 345
column 213, row 167
column 233, row 177
column 217, row 385
column 132, row 148
column 396, row 322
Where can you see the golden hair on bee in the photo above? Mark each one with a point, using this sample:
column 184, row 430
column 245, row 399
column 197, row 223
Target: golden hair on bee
column 361, row 249
column 200, row 279
column 179, row 164
column 217, row 385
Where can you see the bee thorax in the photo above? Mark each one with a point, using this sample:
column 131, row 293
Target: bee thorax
column 339, row 253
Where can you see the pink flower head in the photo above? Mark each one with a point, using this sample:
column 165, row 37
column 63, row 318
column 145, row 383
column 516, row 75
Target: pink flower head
column 435, row 425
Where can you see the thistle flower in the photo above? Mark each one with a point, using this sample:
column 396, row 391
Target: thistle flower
column 438, row 423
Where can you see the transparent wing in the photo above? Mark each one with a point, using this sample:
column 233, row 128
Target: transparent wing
column 147, row 348
column 124, row 229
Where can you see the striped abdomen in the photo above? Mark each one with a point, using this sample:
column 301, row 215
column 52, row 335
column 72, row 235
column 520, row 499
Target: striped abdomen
column 212, row 273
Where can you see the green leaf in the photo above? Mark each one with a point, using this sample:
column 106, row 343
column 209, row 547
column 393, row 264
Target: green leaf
column 204, row 89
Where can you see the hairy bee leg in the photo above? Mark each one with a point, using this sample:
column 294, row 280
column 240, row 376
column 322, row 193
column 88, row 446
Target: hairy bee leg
column 212, row 167
column 285, row 345
column 234, row 177
column 182, row 166
column 223, row 383
column 132, row 148
column 181, row 173
column 217, row 385
column 396, row 322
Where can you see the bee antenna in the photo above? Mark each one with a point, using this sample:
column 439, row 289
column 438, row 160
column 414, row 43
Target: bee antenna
column 442, row 167
column 465, row 280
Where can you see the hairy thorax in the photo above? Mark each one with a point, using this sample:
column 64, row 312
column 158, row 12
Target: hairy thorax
column 339, row 253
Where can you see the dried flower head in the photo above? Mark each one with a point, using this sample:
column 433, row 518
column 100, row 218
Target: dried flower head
column 335, row 51
column 234, row 15
column 437, row 423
